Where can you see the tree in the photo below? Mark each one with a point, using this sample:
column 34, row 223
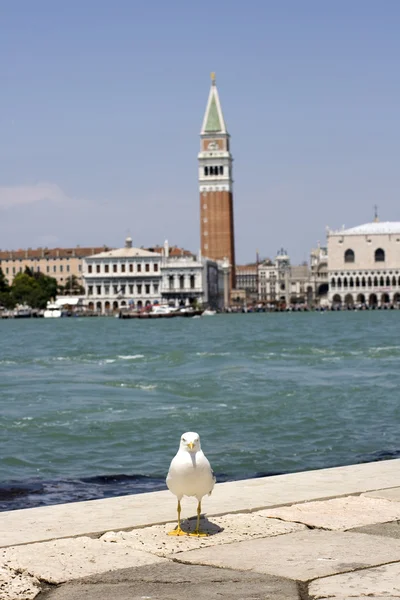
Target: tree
column 72, row 286
column 4, row 287
column 25, row 290
column 34, row 290
column 48, row 285
column 5, row 299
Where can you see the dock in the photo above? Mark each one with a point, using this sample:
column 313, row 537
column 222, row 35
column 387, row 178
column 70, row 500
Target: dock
column 330, row 533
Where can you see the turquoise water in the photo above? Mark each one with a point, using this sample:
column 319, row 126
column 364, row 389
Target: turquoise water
column 95, row 407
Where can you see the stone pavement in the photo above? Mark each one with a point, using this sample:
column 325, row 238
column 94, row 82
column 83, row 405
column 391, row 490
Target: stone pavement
column 289, row 537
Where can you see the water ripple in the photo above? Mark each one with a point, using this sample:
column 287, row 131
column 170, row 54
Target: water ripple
column 85, row 399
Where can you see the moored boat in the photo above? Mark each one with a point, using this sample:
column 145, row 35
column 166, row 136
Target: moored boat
column 52, row 311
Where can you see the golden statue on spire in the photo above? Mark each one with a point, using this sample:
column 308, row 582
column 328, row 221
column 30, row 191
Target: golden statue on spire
column 213, row 77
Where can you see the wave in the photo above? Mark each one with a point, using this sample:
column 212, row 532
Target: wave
column 212, row 353
column 384, row 349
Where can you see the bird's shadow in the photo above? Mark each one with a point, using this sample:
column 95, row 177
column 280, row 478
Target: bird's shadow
column 206, row 526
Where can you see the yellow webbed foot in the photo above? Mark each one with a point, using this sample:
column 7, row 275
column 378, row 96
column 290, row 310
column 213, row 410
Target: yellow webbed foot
column 198, row 534
column 177, row 531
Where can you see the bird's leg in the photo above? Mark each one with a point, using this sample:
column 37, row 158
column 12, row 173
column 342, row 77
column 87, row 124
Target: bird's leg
column 197, row 532
column 178, row 530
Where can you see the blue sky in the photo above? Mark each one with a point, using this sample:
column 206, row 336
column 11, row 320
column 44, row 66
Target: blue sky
column 101, row 105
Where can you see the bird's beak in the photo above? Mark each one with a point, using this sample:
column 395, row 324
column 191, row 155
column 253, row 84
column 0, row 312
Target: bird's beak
column 191, row 445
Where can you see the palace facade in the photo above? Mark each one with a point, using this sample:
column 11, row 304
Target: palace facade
column 134, row 278
column 59, row 263
column 364, row 265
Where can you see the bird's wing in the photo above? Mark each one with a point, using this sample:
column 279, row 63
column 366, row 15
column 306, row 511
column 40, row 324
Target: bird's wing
column 214, row 478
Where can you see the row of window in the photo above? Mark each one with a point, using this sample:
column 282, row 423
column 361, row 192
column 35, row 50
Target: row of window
column 365, row 282
column 350, row 257
column 36, row 258
column 181, row 281
column 372, row 272
column 60, row 269
column 125, row 268
column 218, row 170
column 123, row 289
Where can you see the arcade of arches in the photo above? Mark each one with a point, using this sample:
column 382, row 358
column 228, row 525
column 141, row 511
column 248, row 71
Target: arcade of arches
column 115, row 305
column 365, row 287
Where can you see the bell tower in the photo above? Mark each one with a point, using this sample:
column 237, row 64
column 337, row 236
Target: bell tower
column 215, row 185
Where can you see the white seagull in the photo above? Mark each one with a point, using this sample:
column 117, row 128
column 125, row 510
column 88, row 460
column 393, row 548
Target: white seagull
column 190, row 474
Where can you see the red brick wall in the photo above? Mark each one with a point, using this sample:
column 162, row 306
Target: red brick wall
column 217, row 208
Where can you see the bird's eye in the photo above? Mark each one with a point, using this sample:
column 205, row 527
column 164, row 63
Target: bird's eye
column 196, row 440
column 183, row 440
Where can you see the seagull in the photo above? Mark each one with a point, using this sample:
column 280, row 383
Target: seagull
column 190, row 474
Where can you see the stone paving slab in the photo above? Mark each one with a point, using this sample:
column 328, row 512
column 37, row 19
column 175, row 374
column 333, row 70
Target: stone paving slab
column 389, row 494
column 339, row 513
column 173, row 581
column 223, row 530
column 17, row 586
column 63, row 560
column 378, row 582
column 127, row 512
column 300, row 556
column 385, row 529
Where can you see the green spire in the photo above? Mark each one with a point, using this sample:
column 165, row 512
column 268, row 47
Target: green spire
column 213, row 121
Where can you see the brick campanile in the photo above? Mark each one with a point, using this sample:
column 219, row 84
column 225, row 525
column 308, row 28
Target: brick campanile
column 216, row 185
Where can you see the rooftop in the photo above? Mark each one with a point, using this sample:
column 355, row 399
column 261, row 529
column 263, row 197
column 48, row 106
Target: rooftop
column 246, row 268
column 173, row 251
column 374, row 228
column 126, row 253
column 38, row 253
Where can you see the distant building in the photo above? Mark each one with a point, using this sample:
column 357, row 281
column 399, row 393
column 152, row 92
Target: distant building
column 300, row 289
column 273, row 279
column 216, row 185
column 319, row 280
column 135, row 278
column 246, row 279
column 364, row 264
column 279, row 282
column 59, row 263
column 190, row 280
column 122, row 277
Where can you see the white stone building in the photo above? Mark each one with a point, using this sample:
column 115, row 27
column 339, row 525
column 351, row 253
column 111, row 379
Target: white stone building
column 135, row 278
column 279, row 282
column 364, row 265
column 191, row 279
column 319, row 281
column 123, row 277
column 247, row 280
